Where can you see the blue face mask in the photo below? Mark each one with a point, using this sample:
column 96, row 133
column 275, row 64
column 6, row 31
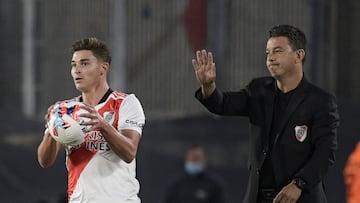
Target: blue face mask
column 193, row 168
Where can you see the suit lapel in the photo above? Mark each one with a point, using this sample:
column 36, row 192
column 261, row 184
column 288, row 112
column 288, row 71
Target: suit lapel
column 295, row 100
column 269, row 110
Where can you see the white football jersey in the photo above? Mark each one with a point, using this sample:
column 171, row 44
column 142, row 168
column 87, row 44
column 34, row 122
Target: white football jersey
column 95, row 173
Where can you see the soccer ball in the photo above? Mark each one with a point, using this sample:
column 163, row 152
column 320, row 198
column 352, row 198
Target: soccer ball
column 64, row 123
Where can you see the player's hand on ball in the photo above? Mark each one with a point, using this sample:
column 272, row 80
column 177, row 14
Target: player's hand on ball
column 204, row 67
column 63, row 124
column 92, row 118
column 46, row 118
column 47, row 115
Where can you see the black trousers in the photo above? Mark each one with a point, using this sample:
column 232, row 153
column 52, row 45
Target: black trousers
column 259, row 200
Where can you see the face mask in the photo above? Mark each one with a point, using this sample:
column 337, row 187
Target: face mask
column 193, row 168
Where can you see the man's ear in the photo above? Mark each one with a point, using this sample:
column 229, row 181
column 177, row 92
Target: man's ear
column 300, row 55
column 104, row 68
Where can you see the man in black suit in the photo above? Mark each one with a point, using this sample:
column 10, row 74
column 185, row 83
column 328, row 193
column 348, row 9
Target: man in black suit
column 293, row 123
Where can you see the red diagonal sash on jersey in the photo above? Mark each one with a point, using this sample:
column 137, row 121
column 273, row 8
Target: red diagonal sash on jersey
column 78, row 159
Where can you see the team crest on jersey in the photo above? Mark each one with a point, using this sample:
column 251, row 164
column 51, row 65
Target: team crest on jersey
column 109, row 116
column 301, row 132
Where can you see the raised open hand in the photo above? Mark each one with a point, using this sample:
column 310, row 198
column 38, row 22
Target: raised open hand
column 204, row 67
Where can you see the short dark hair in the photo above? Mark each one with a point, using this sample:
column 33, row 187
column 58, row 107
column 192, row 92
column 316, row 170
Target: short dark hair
column 296, row 37
column 98, row 48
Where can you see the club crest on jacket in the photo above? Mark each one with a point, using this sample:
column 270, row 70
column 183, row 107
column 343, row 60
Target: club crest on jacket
column 301, row 132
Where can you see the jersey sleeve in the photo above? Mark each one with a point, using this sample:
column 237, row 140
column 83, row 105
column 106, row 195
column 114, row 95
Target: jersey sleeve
column 131, row 114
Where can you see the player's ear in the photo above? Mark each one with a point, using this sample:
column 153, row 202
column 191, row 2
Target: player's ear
column 104, row 68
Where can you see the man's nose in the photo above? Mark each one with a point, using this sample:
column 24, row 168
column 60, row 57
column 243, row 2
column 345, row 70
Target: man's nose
column 270, row 57
column 76, row 68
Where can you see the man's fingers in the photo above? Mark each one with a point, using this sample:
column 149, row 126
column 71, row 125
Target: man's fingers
column 88, row 108
column 213, row 69
column 198, row 57
column 278, row 198
column 204, row 57
column 283, row 198
column 210, row 58
column 46, row 116
column 195, row 64
column 50, row 107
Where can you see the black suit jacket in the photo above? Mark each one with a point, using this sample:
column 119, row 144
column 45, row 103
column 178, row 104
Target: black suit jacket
column 309, row 108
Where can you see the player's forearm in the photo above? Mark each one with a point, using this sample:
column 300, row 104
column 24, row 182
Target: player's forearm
column 207, row 89
column 126, row 153
column 47, row 151
column 123, row 146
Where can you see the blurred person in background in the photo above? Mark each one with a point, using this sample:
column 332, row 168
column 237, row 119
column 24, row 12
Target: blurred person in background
column 197, row 185
column 106, row 173
column 293, row 123
column 352, row 176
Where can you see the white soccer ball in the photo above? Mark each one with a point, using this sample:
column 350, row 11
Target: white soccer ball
column 64, row 123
